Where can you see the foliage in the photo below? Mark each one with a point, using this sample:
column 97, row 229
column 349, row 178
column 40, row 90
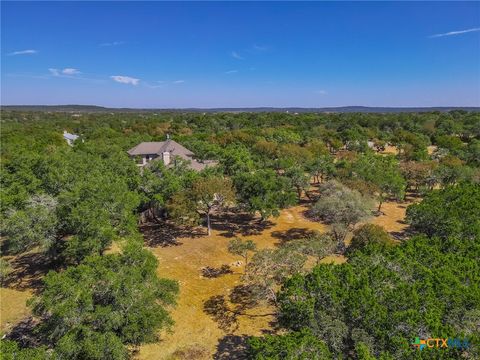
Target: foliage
column 241, row 248
column 317, row 244
column 369, row 234
column 299, row 179
column 383, row 297
column 451, row 212
column 92, row 310
column 292, row 346
column 5, row 269
column 341, row 207
column 97, row 195
column 384, row 173
column 35, row 225
column 321, row 168
column 264, row 191
column 269, row 268
column 10, row 350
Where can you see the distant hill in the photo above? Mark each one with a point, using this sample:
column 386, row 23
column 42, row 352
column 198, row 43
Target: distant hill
column 342, row 109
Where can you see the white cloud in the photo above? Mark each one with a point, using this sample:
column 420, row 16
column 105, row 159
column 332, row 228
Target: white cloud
column 231, row 72
column 236, row 55
column 455, row 33
column 67, row 72
column 155, row 85
column 125, row 79
column 179, row 81
column 54, row 72
column 321, row 92
column 260, row 47
column 70, row 71
column 23, row 52
column 114, row 43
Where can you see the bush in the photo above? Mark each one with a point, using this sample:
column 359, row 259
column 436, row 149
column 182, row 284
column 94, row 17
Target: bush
column 369, row 234
column 292, row 346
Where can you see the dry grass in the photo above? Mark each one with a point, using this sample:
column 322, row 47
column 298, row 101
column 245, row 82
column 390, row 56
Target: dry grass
column 390, row 150
column 185, row 262
column 13, row 307
column 208, row 322
column 220, row 336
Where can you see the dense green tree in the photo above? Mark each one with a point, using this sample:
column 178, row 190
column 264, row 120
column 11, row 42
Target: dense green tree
column 452, row 211
column 302, row 345
column 299, row 179
column 369, row 305
column 9, row 350
column 369, row 234
column 321, row 168
column 92, row 310
column 35, row 225
column 264, row 191
column 384, row 173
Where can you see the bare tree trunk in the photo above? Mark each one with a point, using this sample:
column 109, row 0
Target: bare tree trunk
column 208, row 223
column 380, row 205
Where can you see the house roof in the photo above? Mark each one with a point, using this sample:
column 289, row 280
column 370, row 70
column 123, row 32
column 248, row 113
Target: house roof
column 67, row 135
column 146, row 148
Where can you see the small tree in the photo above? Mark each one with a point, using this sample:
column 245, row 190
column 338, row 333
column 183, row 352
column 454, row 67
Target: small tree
column 212, row 193
column 241, row 248
column 384, row 172
column 270, row 267
column 369, row 234
column 317, row 245
column 342, row 208
column 264, row 191
column 321, row 167
column 299, row 180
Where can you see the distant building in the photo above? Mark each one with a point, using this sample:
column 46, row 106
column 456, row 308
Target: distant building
column 70, row 138
column 166, row 151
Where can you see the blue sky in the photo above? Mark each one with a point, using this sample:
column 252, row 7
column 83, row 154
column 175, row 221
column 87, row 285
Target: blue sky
column 231, row 54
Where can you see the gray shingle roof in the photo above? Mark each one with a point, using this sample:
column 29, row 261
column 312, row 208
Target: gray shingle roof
column 174, row 148
column 146, row 148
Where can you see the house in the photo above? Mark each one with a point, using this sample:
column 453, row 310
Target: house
column 167, row 151
column 70, row 138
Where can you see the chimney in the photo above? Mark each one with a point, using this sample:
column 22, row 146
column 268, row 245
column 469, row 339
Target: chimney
column 166, row 157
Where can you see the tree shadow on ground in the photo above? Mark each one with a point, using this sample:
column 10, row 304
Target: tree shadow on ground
column 211, row 272
column 292, row 234
column 403, row 234
column 165, row 234
column 217, row 308
column 246, row 297
column 232, row 224
column 232, row 347
column 25, row 335
column 28, row 271
column 242, row 298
